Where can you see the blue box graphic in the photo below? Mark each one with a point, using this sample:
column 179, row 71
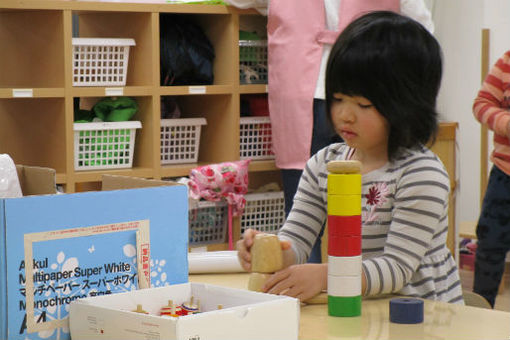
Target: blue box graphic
column 82, row 245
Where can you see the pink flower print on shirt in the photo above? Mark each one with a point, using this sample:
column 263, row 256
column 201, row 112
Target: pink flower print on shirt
column 376, row 197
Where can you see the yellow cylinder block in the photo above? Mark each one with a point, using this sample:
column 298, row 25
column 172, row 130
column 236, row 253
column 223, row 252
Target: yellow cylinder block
column 344, row 184
column 344, row 205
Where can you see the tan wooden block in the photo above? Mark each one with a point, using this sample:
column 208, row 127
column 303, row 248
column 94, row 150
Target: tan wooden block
column 266, row 254
column 344, row 167
column 257, row 280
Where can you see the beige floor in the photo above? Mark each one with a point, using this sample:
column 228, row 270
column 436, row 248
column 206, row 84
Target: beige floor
column 503, row 299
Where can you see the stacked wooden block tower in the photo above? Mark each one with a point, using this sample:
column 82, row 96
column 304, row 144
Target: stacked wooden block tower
column 344, row 238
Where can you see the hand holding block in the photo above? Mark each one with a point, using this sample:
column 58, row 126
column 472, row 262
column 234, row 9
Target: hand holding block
column 266, row 254
column 257, row 280
column 344, row 167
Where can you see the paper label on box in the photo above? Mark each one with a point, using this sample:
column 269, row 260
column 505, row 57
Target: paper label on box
column 78, row 263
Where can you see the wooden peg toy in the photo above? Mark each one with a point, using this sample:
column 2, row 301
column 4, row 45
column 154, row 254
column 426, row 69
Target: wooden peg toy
column 139, row 309
column 191, row 307
column 169, row 310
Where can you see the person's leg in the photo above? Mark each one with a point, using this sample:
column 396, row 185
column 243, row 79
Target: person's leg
column 290, row 180
column 493, row 233
column 323, row 135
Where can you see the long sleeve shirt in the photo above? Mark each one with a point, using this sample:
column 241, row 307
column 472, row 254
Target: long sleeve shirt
column 492, row 107
column 404, row 223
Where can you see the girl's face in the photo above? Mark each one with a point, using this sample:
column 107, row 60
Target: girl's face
column 360, row 125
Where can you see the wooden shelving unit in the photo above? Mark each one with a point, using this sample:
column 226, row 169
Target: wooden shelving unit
column 37, row 95
column 36, row 55
column 445, row 147
column 36, row 91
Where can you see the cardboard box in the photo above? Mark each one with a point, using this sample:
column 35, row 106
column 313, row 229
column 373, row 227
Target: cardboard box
column 245, row 315
column 59, row 248
column 35, row 180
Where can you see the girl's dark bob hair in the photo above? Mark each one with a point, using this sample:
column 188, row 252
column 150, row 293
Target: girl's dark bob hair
column 394, row 62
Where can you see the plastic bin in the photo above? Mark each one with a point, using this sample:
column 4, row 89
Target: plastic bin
column 208, row 223
column 253, row 61
column 264, row 212
column 255, row 138
column 100, row 62
column 180, row 140
column 467, row 261
column 106, row 145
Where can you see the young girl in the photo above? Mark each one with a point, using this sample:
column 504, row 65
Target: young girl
column 382, row 80
column 492, row 107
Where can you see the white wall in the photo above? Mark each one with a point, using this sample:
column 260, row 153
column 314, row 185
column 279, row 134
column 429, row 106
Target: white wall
column 458, row 25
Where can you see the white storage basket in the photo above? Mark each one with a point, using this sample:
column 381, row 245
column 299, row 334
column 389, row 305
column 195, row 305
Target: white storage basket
column 253, row 61
column 100, row 62
column 255, row 138
column 105, row 145
column 208, row 223
column 264, row 212
column 180, row 140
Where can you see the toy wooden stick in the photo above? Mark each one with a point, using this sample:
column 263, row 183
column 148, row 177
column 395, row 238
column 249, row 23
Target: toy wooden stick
column 172, row 306
column 139, row 309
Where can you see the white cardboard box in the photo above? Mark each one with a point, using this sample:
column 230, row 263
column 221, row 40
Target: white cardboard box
column 245, row 315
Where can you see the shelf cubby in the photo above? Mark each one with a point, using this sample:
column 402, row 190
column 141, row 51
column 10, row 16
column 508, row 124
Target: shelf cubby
column 33, row 131
column 132, row 25
column 32, row 49
column 220, row 31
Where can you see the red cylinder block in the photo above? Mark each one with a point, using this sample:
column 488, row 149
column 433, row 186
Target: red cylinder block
column 344, row 225
column 344, row 245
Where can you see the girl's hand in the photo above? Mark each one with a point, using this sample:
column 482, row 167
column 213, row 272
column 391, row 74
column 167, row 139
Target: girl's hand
column 243, row 248
column 302, row 281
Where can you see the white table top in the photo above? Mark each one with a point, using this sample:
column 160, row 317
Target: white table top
column 441, row 320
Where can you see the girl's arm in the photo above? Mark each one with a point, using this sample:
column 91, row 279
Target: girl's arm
column 309, row 210
column 301, row 229
column 490, row 106
column 419, row 212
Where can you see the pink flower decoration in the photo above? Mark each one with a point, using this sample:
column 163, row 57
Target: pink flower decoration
column 214, row 182
column 377, row 195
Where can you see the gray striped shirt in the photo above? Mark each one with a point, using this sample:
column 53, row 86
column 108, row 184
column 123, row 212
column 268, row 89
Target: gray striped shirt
column 404, row 223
